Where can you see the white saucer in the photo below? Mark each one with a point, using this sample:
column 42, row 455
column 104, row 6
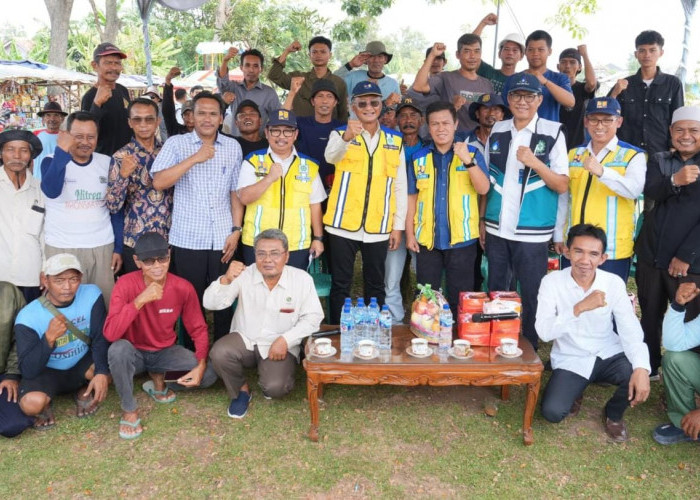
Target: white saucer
column 331, row 353
column 470, row 353
column 517, row 354
column 375, row 353
column 409, row 351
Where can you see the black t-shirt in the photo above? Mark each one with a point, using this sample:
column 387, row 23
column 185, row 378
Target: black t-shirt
column 248, row 147
column 113, row 118
column 312, row 141
column 572, row 119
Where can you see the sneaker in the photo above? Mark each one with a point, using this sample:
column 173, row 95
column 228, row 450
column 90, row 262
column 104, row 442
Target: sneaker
column 670, row 434
column 266, row 396
column 239, row 406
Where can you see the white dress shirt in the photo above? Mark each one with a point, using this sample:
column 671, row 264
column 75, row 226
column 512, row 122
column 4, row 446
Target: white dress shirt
column 512, row 187
column 335, row 150
column 291, row 309
column 578, row 341
column 630, row 185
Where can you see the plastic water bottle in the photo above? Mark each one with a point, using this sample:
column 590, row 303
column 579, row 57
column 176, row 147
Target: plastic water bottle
column 385, row 331
column 347, row 332
column 373, row 320
column 445, row 340
column 360, row 315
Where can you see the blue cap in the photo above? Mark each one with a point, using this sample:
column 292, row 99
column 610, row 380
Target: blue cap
column 282, row 117
column 604, row 105
column 525, row 82
column 366, row 88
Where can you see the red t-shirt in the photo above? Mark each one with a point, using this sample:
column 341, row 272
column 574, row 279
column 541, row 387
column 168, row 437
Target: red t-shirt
column 153, row 327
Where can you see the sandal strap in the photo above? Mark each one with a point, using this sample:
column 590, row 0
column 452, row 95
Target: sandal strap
column 133, row 425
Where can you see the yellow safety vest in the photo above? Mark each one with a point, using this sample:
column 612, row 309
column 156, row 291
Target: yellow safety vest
column 462, row 201
column 362, row 194
column 592, row 202
column 285, row 204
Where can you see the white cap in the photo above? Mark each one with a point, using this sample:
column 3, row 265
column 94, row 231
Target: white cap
column 61, row 262
column 691, row 113
column 515, row 38
column 152, row 90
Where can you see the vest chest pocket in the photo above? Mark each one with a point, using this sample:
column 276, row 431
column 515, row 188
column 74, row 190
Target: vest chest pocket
column 301, row 192
column 423, row 184
column 391, row 162
column 354, row 161
column 577, row 173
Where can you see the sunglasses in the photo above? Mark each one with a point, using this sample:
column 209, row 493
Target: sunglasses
column 153, row 260
column 363, row 104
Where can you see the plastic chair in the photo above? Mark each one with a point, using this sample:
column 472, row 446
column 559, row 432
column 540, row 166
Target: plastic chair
column 318, row 269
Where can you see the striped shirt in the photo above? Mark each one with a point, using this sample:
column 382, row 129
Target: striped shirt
column 202, row 216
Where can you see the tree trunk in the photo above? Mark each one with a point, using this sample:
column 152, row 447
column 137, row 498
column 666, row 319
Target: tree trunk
column 221, row 14
column 112, row 19
column 688, row 10
column 59, row 15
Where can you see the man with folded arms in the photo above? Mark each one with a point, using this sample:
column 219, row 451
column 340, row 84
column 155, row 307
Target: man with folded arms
column 277, row 308
column 145, row 306
column 60, row 344
column 597, row 336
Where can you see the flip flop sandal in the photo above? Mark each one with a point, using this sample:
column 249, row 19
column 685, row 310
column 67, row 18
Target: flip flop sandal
column 150, row 389
column 84, row 405
column 45, row 415
column 133, row 425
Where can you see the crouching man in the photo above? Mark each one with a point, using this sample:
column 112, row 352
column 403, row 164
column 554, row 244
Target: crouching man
column 277, row 308
column 576, row 309
column 143, row 311
column 60, row 344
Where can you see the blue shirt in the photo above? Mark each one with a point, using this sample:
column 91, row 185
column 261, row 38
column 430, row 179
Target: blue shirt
column 202, row 198
column 441, row 162
column 677, row 335
column 549, row 109
column 48, row 142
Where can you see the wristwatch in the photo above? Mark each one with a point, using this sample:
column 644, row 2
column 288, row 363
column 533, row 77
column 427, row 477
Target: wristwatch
column 236, row 228
column 470, row 164
column 317, row 238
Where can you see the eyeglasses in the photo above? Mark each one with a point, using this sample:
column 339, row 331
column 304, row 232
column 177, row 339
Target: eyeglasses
column 276, row 132
column 73, row 280
column 274, row 254
column 143, row 119
column 605, row 121
column 528, row 98
column 150, row 262
column 363, row 104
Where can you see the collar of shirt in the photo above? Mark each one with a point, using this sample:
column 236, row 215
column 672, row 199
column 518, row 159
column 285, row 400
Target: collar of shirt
column 531, row 126
column 258, row 85
column 610, row 146
column 659, row 77
column 135, row 145
column 286, row 162
column 5, row 179
column 445, row 158
column 571, row 282
column 195, row 139
column 283, row 282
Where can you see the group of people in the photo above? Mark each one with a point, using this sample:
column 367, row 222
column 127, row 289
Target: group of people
column 234, row 197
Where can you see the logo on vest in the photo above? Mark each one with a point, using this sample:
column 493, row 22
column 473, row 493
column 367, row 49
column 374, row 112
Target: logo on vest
column 495, row 147
column 260, row 170
column 390, row 142
column 303, row 172
column 540, row 148
column 421, row 169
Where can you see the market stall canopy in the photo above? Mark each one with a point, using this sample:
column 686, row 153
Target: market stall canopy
column 41, row 73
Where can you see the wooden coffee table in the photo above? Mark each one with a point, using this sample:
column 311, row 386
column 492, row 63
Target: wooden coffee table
column 485, row 368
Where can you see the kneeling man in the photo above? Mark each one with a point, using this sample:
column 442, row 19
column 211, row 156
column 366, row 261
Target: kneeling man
column 277, row 307
column 577, row 309
column 60, row 344
column 143, row 311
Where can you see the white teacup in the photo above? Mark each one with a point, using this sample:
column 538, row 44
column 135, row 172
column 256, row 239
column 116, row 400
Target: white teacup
column 461, row 347
column 322, row 346
column 365, row 348
column 509, row 347
column 419, row 347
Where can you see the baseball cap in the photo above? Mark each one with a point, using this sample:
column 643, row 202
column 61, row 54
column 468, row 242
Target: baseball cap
column 366, row 88
column 525, row 82
column 570, row 53
column 52, row 107
column 21, row 135
column 515, row 38
column 247, row 103
column 107, row 49
column 152, row 91
column 61, row 262
column 282, row 117
column 376, row 48
column 603, row 105
column 408, row 102
column 488, row 100
column 187, row 106
column 691, row 113
column 150, row 245
column 323, row 84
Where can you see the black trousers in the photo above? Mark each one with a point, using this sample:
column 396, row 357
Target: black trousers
column 527, row 263
column 458, row 264
column 128, row 264
column 655, row 289
column 343, row 251
column 201, row 267
column 564, row 387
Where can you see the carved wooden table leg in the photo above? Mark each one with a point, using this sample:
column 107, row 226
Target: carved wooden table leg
column 312, row 389
column 533, row 390
column 505, row 392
